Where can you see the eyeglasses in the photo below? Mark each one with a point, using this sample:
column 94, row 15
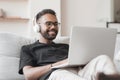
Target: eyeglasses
column 50, row 24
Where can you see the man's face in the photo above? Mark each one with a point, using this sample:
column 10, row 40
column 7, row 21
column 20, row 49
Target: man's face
column 49, row 26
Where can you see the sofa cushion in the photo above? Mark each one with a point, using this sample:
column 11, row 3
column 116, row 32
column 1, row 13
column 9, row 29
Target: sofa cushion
column 117, row 49
column 10, row 44
column 9, row 68
column 117, row 54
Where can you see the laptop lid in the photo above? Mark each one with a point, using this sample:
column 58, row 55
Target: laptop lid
column 87, row 43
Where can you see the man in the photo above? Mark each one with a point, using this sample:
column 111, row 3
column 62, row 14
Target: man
column 37, row 59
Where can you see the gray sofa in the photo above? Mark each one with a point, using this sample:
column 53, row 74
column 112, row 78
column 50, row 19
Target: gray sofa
column 10, row 45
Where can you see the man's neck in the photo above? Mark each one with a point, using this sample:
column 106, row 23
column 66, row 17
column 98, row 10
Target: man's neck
column 43, row 40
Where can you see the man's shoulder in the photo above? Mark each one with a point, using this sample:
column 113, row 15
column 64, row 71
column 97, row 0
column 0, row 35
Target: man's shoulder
column 61, row 44
column 30, row 45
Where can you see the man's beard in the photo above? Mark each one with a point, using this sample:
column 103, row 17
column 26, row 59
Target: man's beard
column 47, row 36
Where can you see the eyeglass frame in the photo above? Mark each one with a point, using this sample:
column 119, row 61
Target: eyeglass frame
column 50, row 23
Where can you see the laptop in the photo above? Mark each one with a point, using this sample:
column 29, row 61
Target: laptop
column 87, row 43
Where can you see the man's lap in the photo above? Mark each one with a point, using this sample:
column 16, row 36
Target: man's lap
column 65, row 74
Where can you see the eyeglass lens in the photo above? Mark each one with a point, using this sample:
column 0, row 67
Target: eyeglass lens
column 49, row 23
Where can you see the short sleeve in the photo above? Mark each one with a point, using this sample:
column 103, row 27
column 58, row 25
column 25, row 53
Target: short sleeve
column 26, row 58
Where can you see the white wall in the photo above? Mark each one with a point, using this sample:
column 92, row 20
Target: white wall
column 20, row 28
column 93, row 13
column 25, row 9
column 70, row 13
column 15, row 9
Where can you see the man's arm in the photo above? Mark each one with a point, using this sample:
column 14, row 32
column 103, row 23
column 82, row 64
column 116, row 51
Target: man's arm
column 33, row 73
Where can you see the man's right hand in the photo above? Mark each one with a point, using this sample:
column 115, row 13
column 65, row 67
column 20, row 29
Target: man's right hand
column 61, row 63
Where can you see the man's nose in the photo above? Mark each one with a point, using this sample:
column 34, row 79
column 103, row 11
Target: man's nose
column 53, row 26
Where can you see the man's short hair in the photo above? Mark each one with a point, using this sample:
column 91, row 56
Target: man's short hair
column 45, row 11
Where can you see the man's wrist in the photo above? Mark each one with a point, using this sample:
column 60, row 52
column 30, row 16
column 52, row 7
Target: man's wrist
column 51, row 65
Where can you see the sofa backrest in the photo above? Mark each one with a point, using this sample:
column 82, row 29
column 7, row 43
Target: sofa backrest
column 10, row 45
